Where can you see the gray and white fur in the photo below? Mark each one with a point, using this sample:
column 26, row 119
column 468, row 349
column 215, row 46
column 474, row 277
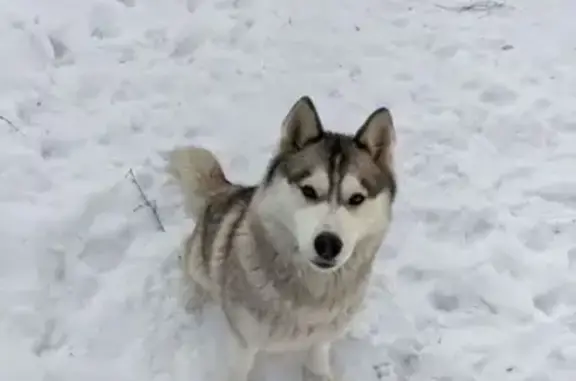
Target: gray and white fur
column 289, row 259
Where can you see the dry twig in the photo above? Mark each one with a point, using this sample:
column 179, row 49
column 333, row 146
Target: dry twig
column 150, row 204
column 477, row 6
column 9, row 122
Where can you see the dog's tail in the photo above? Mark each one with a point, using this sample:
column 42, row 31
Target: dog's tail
column 200, row 176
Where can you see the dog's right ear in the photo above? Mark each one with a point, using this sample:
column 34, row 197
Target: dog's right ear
column 378, row 137
column 301, row 126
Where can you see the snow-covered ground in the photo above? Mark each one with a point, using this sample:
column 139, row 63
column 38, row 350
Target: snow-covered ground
column 477, row 280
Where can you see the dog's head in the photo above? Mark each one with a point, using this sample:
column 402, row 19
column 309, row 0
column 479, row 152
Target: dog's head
column 326, row 192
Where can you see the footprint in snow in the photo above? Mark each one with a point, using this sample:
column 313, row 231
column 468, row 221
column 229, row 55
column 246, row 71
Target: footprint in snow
column 498, row 95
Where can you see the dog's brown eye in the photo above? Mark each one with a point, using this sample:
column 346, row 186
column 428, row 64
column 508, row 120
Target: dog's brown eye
column 309, row 192
column 356, row 199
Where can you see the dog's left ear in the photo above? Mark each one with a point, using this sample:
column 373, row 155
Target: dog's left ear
column 378, row 137
column 301, row 126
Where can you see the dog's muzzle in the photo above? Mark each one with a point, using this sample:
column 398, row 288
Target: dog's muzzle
column 327, row 246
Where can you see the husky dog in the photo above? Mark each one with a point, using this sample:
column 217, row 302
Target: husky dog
column 289, row 259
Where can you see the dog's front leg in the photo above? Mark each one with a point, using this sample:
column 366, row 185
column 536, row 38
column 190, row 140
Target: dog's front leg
column 317, row 366
column 241, row 362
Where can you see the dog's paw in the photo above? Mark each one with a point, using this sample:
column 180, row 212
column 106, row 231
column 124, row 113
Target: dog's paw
column 308, row 375
column 195, row 299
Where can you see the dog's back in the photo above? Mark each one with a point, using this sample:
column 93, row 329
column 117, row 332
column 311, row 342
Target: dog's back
column 214, row 203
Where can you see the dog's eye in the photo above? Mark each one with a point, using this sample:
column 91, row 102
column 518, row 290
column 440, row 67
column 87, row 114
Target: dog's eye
column 309, row 192
column 356, row 199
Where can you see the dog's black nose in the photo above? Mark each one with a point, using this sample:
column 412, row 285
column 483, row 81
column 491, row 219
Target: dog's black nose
column 327, row 245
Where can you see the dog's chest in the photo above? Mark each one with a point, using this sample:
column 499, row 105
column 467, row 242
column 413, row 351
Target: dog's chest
column 298, row 328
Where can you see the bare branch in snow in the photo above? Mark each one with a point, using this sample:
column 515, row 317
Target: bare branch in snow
column 477, row 6
column 149, row 204
column 9, row 122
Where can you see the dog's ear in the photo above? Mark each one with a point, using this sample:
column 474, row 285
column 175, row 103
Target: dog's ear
column 378, row 137
column 301, row 126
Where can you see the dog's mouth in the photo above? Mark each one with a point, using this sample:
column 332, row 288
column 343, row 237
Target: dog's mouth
column 323, row 264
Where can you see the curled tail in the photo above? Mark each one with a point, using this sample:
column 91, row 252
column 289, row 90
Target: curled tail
column 199, row 174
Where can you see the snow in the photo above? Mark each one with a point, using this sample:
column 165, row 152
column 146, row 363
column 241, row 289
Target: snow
column 475, row 281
